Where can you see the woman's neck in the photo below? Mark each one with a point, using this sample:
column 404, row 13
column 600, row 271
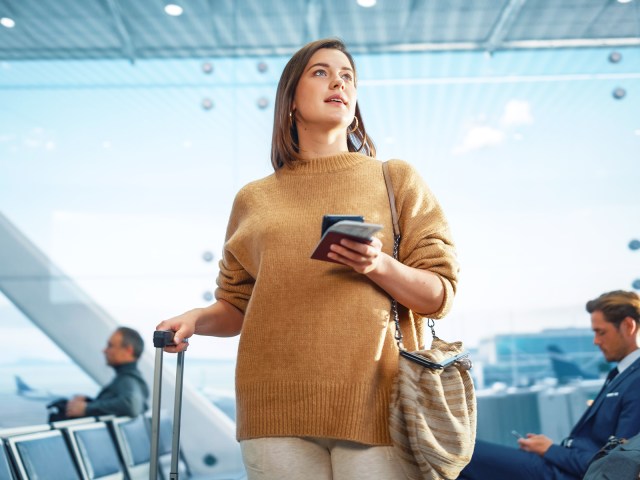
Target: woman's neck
column 321, row 144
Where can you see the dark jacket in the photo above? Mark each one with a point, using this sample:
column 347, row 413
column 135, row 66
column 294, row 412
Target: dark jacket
column 126, row 395
column 615, row 411
column 621, row 463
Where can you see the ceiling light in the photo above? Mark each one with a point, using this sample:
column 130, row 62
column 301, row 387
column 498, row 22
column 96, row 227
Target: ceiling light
column 173, row 10
column 7, row 22
column 619, row 93
column 615, row 57
column 624, row 1
column 366, row 3
column 207, row 104
column 207, row 67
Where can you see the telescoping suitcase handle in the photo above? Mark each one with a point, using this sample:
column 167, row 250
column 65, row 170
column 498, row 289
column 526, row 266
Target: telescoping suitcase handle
column 161, row 339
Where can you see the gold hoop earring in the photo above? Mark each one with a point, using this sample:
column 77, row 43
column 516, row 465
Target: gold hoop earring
column 291, row 118
column 353, row 129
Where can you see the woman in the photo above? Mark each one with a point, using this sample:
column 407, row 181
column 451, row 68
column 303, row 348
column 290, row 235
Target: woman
column 317, row 355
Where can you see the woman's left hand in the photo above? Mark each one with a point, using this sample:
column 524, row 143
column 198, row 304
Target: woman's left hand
column 362, row 257
column 417, row 289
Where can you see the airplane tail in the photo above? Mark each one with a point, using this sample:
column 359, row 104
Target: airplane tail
column 565, row 369
column 22, row 386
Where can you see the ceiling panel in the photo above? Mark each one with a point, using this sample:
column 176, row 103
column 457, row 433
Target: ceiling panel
column 134, row 29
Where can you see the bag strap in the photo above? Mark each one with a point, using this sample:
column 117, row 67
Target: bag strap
column 396, row 248
column 392, row 204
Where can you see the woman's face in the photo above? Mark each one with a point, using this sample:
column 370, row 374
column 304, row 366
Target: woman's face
column 326, row 94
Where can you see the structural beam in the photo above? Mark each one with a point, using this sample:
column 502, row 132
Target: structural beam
column 312, row 19
column 503, row 25
column 125, row 37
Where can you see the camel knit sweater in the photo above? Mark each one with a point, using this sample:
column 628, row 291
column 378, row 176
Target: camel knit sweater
column 317, row 355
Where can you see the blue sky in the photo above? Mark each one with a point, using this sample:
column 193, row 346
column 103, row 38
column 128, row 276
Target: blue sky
column 118, row 173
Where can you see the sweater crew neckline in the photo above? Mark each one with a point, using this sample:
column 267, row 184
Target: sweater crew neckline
column 327, row 164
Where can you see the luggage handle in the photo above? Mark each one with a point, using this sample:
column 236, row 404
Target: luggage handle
column 162, row 339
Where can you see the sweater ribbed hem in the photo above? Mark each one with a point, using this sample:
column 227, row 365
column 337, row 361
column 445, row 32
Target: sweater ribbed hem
column 354, row 412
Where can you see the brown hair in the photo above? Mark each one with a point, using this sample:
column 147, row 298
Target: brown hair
column 131, row 338
column 616, row 306
column 284, row 142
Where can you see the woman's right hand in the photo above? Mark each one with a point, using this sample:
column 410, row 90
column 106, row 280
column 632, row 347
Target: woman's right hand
column 184, row 326
column 220, row 319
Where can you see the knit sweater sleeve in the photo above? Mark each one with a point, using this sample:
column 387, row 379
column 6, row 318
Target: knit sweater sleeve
column 235, row 283
column 426, row 241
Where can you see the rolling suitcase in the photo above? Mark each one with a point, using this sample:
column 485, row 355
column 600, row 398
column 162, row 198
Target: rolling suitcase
column 161, row 339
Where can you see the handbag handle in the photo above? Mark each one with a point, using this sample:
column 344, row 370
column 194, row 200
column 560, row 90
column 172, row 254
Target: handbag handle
column 396, row 248
column 394, row 211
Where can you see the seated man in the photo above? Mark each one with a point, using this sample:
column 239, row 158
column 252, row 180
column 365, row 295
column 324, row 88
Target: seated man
column 615, row 321
column 127, row 393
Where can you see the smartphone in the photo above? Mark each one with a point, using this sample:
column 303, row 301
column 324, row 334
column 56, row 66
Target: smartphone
column 516, row 434
column 329, row 220
column 337, row 227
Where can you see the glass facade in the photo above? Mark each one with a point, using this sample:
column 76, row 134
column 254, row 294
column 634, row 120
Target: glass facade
column 124, row 174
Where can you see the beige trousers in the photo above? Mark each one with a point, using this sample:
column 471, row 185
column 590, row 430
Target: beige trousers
column 293, row 458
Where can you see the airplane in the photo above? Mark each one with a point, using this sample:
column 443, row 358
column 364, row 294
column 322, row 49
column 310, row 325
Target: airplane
column 26, row 391
column 566, row 370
